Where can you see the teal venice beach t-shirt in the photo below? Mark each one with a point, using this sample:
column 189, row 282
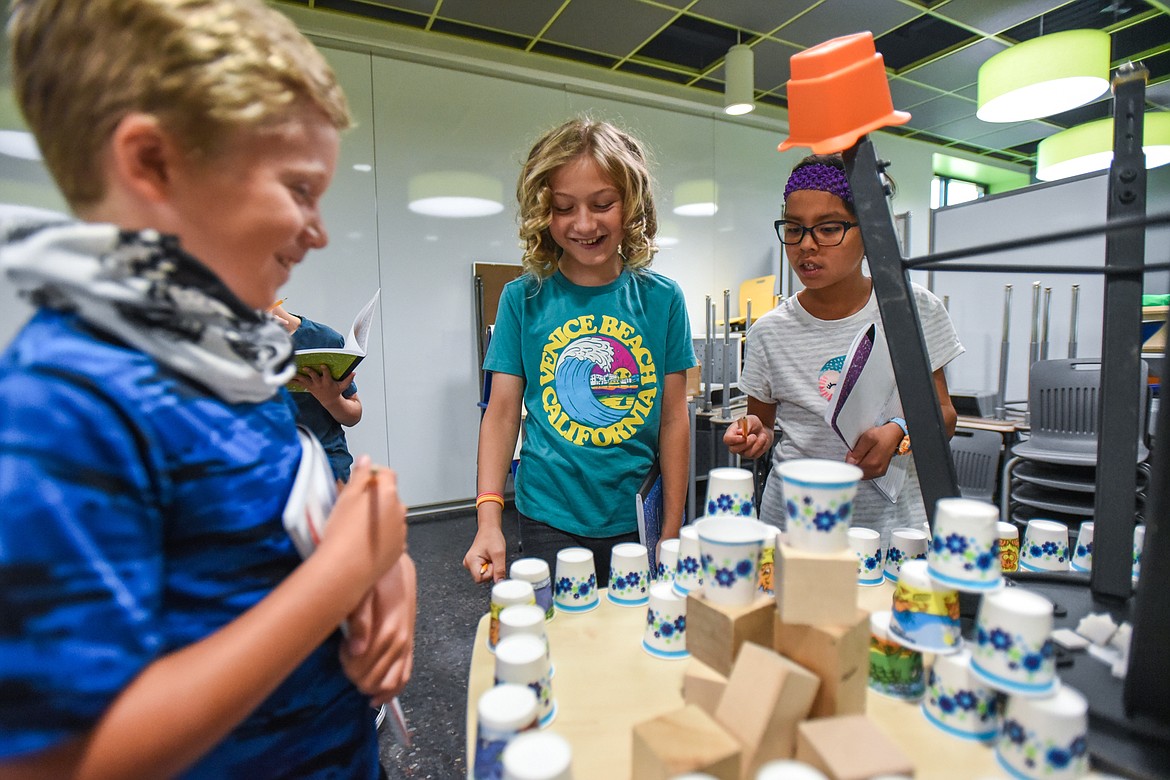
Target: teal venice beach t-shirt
column 594, row 361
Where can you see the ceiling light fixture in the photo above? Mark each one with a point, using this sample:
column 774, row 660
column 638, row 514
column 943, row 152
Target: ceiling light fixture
column 739, row 68
column 696, row 198
column 1089, row 147
column 456, row 194
column 1044, row 76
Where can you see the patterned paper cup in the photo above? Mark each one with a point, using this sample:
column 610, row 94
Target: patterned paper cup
column 730, row 549
column 525, row 619
column 964, row 553
column 768, row 560
column 539, row 755
column 818, row 503
column 1045, row 738
column 1139, row 542
column 925, row 616
column 1012, row 651
column 906, row 544
column 522, row 659
column 730, row 492
column 1009, row 546
column 629, row 575
column 575, row 588
column 957, row 702
column 688, row 574
column 536, row 572
column 867, row 546
column 502, row 713
column 1082, row 554
column 894, row 670
column 506, row 593
column 1045, row 546
column 667, row 560
column 665, row 635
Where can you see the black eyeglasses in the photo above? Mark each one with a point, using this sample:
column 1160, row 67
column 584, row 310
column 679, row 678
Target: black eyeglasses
column 824, row 233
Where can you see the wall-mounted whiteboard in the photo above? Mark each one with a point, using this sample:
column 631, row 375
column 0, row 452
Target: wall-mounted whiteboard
column 976, row 300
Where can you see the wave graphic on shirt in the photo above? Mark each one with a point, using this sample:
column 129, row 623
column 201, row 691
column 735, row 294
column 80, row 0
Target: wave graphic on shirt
column 574, row 367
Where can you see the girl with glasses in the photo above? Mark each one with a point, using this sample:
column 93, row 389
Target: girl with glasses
column 795, row 353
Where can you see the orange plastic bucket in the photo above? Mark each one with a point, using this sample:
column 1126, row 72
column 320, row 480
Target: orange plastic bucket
column 838, row 92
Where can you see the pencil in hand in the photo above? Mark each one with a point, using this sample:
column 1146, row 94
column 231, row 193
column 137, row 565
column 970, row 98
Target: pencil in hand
column 743, row 427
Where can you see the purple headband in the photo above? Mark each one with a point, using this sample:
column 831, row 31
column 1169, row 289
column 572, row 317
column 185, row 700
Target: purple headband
column 819, row 176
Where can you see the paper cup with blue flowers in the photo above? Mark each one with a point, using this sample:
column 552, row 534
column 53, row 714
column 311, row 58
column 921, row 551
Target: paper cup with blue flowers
column 1045, row 546
column 730, row 492
column 575, row 584
column 867, row 546
column 1082, row 553
column 818, row 503
column 629, row 575
column 522, row 659
column 1045, row 738
column 667, row 560
column 688, row 572
column 665, row 635
column 964, row 553
column 1012, row 651
column 730, row 549
column 906, row 544
column 957, row 702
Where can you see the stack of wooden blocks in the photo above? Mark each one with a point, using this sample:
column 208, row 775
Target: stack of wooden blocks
column 784, row 677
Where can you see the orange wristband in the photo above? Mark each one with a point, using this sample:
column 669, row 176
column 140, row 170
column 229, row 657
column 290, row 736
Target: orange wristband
column 484, row 498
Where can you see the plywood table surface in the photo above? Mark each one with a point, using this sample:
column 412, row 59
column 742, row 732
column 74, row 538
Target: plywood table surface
column 605, row 684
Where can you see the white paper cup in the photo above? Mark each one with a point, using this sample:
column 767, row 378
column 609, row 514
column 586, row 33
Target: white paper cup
column 538, row 756
column 925, row 615
column 575, row 588
column 730, row 549
column 1012, row 651
column 688, row 574
column 906, row 544
column 1139, row 542
column 730, row 492
column 502, row 713
column 1045, row 546
column 957, row 702
column 506, row 593
column 523, row 660
column 667, row 560
column 866, row 544
column 629, row 575
column 894, row 670
column 535, row 572
column 665, row 635
column 1045, row 737
column 1009, row 546
column 525, row 619
column 1082, row 553
column 818, row 503
column 789, row 769
column 964, row 553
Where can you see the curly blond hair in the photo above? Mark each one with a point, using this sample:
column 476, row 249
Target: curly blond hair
column 623, row 160
column 203, row 67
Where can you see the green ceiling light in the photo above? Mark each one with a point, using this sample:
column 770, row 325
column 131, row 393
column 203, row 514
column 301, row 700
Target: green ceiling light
column 1089, row 147
column 1044, row 76
column 739, row 68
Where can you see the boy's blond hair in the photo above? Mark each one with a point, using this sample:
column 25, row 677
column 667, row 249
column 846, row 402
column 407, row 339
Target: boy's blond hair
column 203, row 67
column 622, row 159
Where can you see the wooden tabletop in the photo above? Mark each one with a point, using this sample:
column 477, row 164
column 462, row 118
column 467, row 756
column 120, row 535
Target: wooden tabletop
column 605, row 683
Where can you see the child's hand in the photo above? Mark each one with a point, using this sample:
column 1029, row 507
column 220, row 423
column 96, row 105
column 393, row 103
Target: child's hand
column 748, row 437
column 875, row 449
column 486, row 559
column 378, row 656
column 369, row 519
column 320, row 383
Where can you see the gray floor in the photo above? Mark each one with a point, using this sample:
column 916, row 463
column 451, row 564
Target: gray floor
column 449, row 608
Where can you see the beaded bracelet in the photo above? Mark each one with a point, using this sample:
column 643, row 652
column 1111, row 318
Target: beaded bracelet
column 488, row 497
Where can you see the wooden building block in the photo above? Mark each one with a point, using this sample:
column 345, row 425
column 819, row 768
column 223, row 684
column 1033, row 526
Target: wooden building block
column 767, row 696
column 703, row 686
column 839, row 655
column 815, row 589
column 686, row 740
column 870, row 752
column 715, row 632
